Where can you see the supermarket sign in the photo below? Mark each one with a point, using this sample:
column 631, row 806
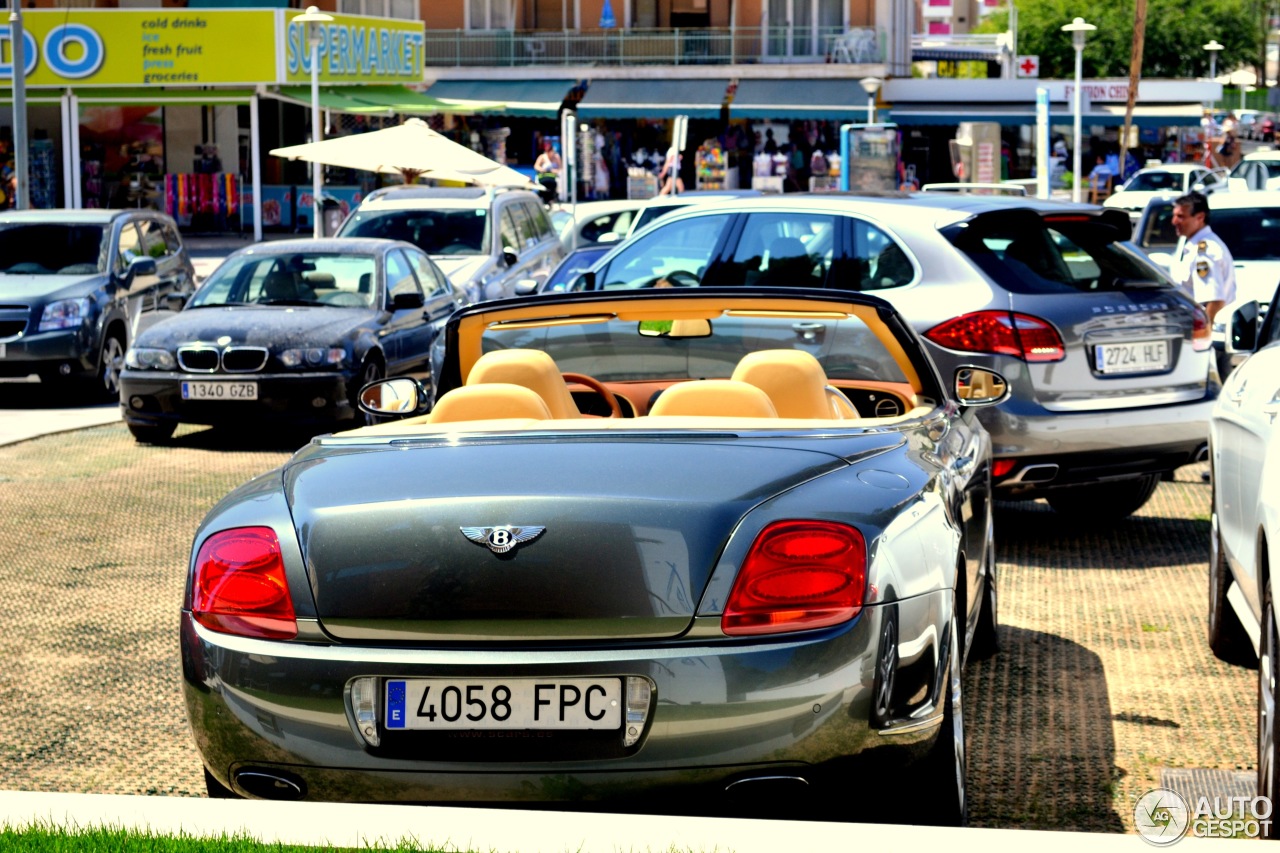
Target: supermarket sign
column 208, row 47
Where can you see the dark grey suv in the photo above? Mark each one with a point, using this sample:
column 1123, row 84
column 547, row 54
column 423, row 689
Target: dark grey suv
column 1107, row 362
column 77, row 285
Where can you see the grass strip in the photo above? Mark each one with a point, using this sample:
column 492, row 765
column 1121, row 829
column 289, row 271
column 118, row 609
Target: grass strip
column 39, row 838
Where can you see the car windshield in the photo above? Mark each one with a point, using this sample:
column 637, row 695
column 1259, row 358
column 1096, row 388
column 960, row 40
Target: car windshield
column 629, row 350
column 1054, row 254
column 1251, row 233
column 436, row 232
column 51, row 248
column 1154, row 182
column 569, row 268
column 297, row 278
column 1270, row 167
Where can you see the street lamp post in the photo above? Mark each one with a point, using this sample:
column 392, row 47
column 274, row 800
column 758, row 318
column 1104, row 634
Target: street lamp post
column 871, row 85
column 315, row 20
column 1077, row 28
column 1213, row 47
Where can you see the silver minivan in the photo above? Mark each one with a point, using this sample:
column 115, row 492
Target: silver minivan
column 484, row 240
column 1108, row 363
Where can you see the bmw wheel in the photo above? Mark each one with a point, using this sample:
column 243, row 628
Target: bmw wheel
column 157, row 433
column 1227, row 638
column 1268, row 725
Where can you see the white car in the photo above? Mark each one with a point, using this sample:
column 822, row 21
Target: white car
column 1244, row 440
column 1259, row 170
column 591, row 222
column 1147, row 183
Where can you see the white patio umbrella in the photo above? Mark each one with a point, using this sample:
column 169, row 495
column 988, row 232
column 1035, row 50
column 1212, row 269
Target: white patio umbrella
column 412, row 150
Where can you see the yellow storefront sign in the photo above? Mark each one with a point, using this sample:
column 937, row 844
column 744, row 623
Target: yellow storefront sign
column 213, row 47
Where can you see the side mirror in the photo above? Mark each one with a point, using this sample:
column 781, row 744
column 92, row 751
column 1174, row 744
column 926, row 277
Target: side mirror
column 401, row 396
column 509, row 256
column 1242, row 328
column 176, row 301
column 585, row 281
column 142, row 267
column 977, row 386
column 404, row 301
column 525, row 287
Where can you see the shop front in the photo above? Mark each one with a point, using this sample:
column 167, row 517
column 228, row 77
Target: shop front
column 174, row 115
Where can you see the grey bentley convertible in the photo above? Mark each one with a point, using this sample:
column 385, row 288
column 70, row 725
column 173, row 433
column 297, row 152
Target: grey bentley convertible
column 698, row 550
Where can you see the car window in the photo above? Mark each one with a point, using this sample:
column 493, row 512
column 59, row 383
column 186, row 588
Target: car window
column 152, row 238
column 598, row 226
column 1251, row 233
column 1154, row 182
column 1026, row 253
column 676, row 254
column 400, row 278
column 524, row 226
column 128, row 246
column 437, row 232
column 541, row 223
column 1157, row 227
column 878, row 261
column 429, row 276
column 510, row 234
column 337, row 279
column 172, row 240
column 47, row 248
column 792, row 249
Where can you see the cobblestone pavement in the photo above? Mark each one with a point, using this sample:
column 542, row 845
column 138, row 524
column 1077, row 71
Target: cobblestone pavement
column 1104, row 678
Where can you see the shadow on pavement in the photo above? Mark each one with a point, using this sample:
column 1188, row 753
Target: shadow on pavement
column 256, row 438
column 1059, row 770
column 20, row 395
column 1137, row 542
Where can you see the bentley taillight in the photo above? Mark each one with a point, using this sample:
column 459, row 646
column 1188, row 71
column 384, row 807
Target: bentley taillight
column 798, row 575
column 1001, row 333
column 240, row 585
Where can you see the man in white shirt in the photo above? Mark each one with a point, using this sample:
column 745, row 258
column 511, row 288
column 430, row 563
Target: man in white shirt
column 1202, row 264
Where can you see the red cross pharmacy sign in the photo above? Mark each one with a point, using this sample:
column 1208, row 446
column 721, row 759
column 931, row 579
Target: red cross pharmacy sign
column 1028, row 66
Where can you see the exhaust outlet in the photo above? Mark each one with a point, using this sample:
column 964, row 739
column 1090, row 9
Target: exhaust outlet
column 270, row 784
column 1038, row 473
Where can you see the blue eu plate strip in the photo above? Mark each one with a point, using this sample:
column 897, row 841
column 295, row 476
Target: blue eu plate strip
column 395, row 705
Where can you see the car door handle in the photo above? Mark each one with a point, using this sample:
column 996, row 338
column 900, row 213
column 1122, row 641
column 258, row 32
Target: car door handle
column 808, row 331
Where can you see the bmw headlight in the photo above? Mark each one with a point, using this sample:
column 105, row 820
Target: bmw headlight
column 64, row 314
column 149, row 358
column 313, row 357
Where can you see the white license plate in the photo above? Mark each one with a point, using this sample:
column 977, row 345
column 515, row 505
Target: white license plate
column 504, row 703
column 219, row 390
column 1136, row 357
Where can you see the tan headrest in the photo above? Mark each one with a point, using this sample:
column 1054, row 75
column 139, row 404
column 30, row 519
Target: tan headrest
column 531, row 368
column 714, row 398
column 492, row 401
column 793, row 379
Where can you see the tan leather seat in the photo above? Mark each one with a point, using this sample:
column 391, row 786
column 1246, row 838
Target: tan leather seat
column 492, row 401
column 714, row 398
column 795, row 382
column 533, row 369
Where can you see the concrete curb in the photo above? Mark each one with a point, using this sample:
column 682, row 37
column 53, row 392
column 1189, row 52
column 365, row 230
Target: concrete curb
column 24, row 424
column 461, row 829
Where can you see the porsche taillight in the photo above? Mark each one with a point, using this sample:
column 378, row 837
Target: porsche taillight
column 1201, row 339
column 1001, row 333
column 240, row 585
column 798, row 575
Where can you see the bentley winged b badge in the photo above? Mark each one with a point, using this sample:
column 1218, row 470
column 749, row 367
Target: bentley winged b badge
column 503, row 538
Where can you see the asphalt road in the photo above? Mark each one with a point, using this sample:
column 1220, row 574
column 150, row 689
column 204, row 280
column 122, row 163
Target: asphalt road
column 1104, row 688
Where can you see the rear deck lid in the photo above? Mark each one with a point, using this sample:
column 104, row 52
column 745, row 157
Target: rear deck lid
column 403, row 542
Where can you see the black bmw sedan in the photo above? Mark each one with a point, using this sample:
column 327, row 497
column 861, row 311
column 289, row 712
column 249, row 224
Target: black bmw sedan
column 287, row 331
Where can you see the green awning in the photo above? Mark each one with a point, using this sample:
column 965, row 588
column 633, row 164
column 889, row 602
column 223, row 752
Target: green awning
column 538, row 98
column 653, row 98
column 835, row 100
column 382, row 100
